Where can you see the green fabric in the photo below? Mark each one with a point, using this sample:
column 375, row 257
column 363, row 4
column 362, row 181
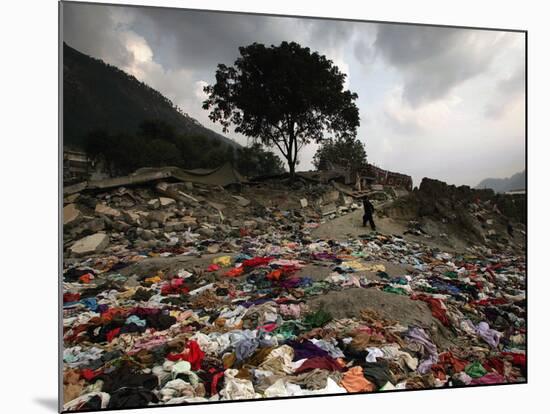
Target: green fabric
column 290, row 329
column 316, row 288
column 382, row 275
column 452, row 275
column 317, row 319
column 116, row 277
column 391, row 289
column 475, row 370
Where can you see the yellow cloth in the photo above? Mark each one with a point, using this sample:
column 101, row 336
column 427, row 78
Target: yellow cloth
column 223, row 261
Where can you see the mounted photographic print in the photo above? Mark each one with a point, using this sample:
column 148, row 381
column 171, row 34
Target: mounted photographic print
column 262, row 206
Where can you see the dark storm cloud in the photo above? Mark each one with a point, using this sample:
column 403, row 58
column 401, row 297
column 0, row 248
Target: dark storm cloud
column 91, row 29
column 434, row 60
column 196, row 39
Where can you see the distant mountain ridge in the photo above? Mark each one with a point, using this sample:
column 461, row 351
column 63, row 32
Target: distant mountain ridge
column 97, row 95
column 501, row 185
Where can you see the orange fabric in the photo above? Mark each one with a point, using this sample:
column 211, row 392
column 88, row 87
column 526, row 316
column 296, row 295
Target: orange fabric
column 235, row 272
column 87, row 278
column 154, row 279
column 275, row 274
column 354, row 381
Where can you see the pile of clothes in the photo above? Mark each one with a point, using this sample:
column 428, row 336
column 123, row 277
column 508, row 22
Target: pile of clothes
column 241, row 326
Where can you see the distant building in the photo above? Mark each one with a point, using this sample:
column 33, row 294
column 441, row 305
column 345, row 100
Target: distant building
column 76, row 165
column 376, row 175
column 369, row 176
column 515, row 192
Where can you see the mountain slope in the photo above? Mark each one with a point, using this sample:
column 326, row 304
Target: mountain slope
column 100, row 96
column 501, row 185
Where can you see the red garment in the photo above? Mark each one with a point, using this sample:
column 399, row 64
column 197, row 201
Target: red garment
column 112, row 334
column 490, row 378
column 175, row 286
column 517, row 359
column 71, row 297
column 89, row 374
column 192, row 354
column 491, row 301
column 494, row 363
column 268, row 327
column 215, row 379
column 439, row 372
column 436, row 306
column 213, row 267
column 257, row 261
column 110, row 313
column 326, row 362
column 457, row 364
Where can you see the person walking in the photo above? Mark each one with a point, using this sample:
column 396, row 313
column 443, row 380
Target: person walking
column 367, row 216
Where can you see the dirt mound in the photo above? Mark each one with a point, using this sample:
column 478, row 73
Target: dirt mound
column 349, row 302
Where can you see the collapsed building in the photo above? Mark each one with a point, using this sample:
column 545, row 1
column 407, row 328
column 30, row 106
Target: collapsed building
column 369, row 177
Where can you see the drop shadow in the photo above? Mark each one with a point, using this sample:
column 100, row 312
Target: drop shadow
column 49, row 403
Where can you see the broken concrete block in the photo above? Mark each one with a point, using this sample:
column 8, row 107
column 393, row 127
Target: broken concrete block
column 71, row 198
column 154, row 203
column 95, row 243
column 132, row 217
column 331, row 197
column 243, row 202
column 328, row 209
column 189, row 220
column 147, row 235
column 166, row 201
column 71, row 214
column 106, row 210
column 303, row 202
column 158, row 216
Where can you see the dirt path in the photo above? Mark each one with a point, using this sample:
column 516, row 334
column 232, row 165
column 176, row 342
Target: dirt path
column 351, row 226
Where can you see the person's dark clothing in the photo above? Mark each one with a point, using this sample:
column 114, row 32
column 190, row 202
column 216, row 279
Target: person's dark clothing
column 510, row 230
column 367, row 216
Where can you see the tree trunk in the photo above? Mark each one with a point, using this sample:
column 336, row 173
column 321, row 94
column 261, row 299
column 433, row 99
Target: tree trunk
column 291, row 169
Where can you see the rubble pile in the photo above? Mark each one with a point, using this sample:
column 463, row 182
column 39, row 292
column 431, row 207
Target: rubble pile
column 180, row 293
column 439, row 210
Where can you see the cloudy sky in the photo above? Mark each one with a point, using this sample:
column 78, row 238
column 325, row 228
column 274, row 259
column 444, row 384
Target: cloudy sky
column 434, row 102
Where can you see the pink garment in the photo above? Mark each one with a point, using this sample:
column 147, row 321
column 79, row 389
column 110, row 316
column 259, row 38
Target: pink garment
column 490, row 378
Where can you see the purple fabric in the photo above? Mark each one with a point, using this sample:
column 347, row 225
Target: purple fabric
column 428, row 350
column 102, row 308
column 489, row 335
column 291, row 282
column 324, row 256
column 306, row 350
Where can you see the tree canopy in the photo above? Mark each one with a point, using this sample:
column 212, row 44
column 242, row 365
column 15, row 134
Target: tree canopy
column 348, row 152
column 283, row 96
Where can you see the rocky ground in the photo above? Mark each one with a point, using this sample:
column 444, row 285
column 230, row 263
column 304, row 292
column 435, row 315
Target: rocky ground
column 178, row 293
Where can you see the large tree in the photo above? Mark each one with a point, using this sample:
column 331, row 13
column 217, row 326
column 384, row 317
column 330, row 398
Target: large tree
column 347, row 152
column 284, row 96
